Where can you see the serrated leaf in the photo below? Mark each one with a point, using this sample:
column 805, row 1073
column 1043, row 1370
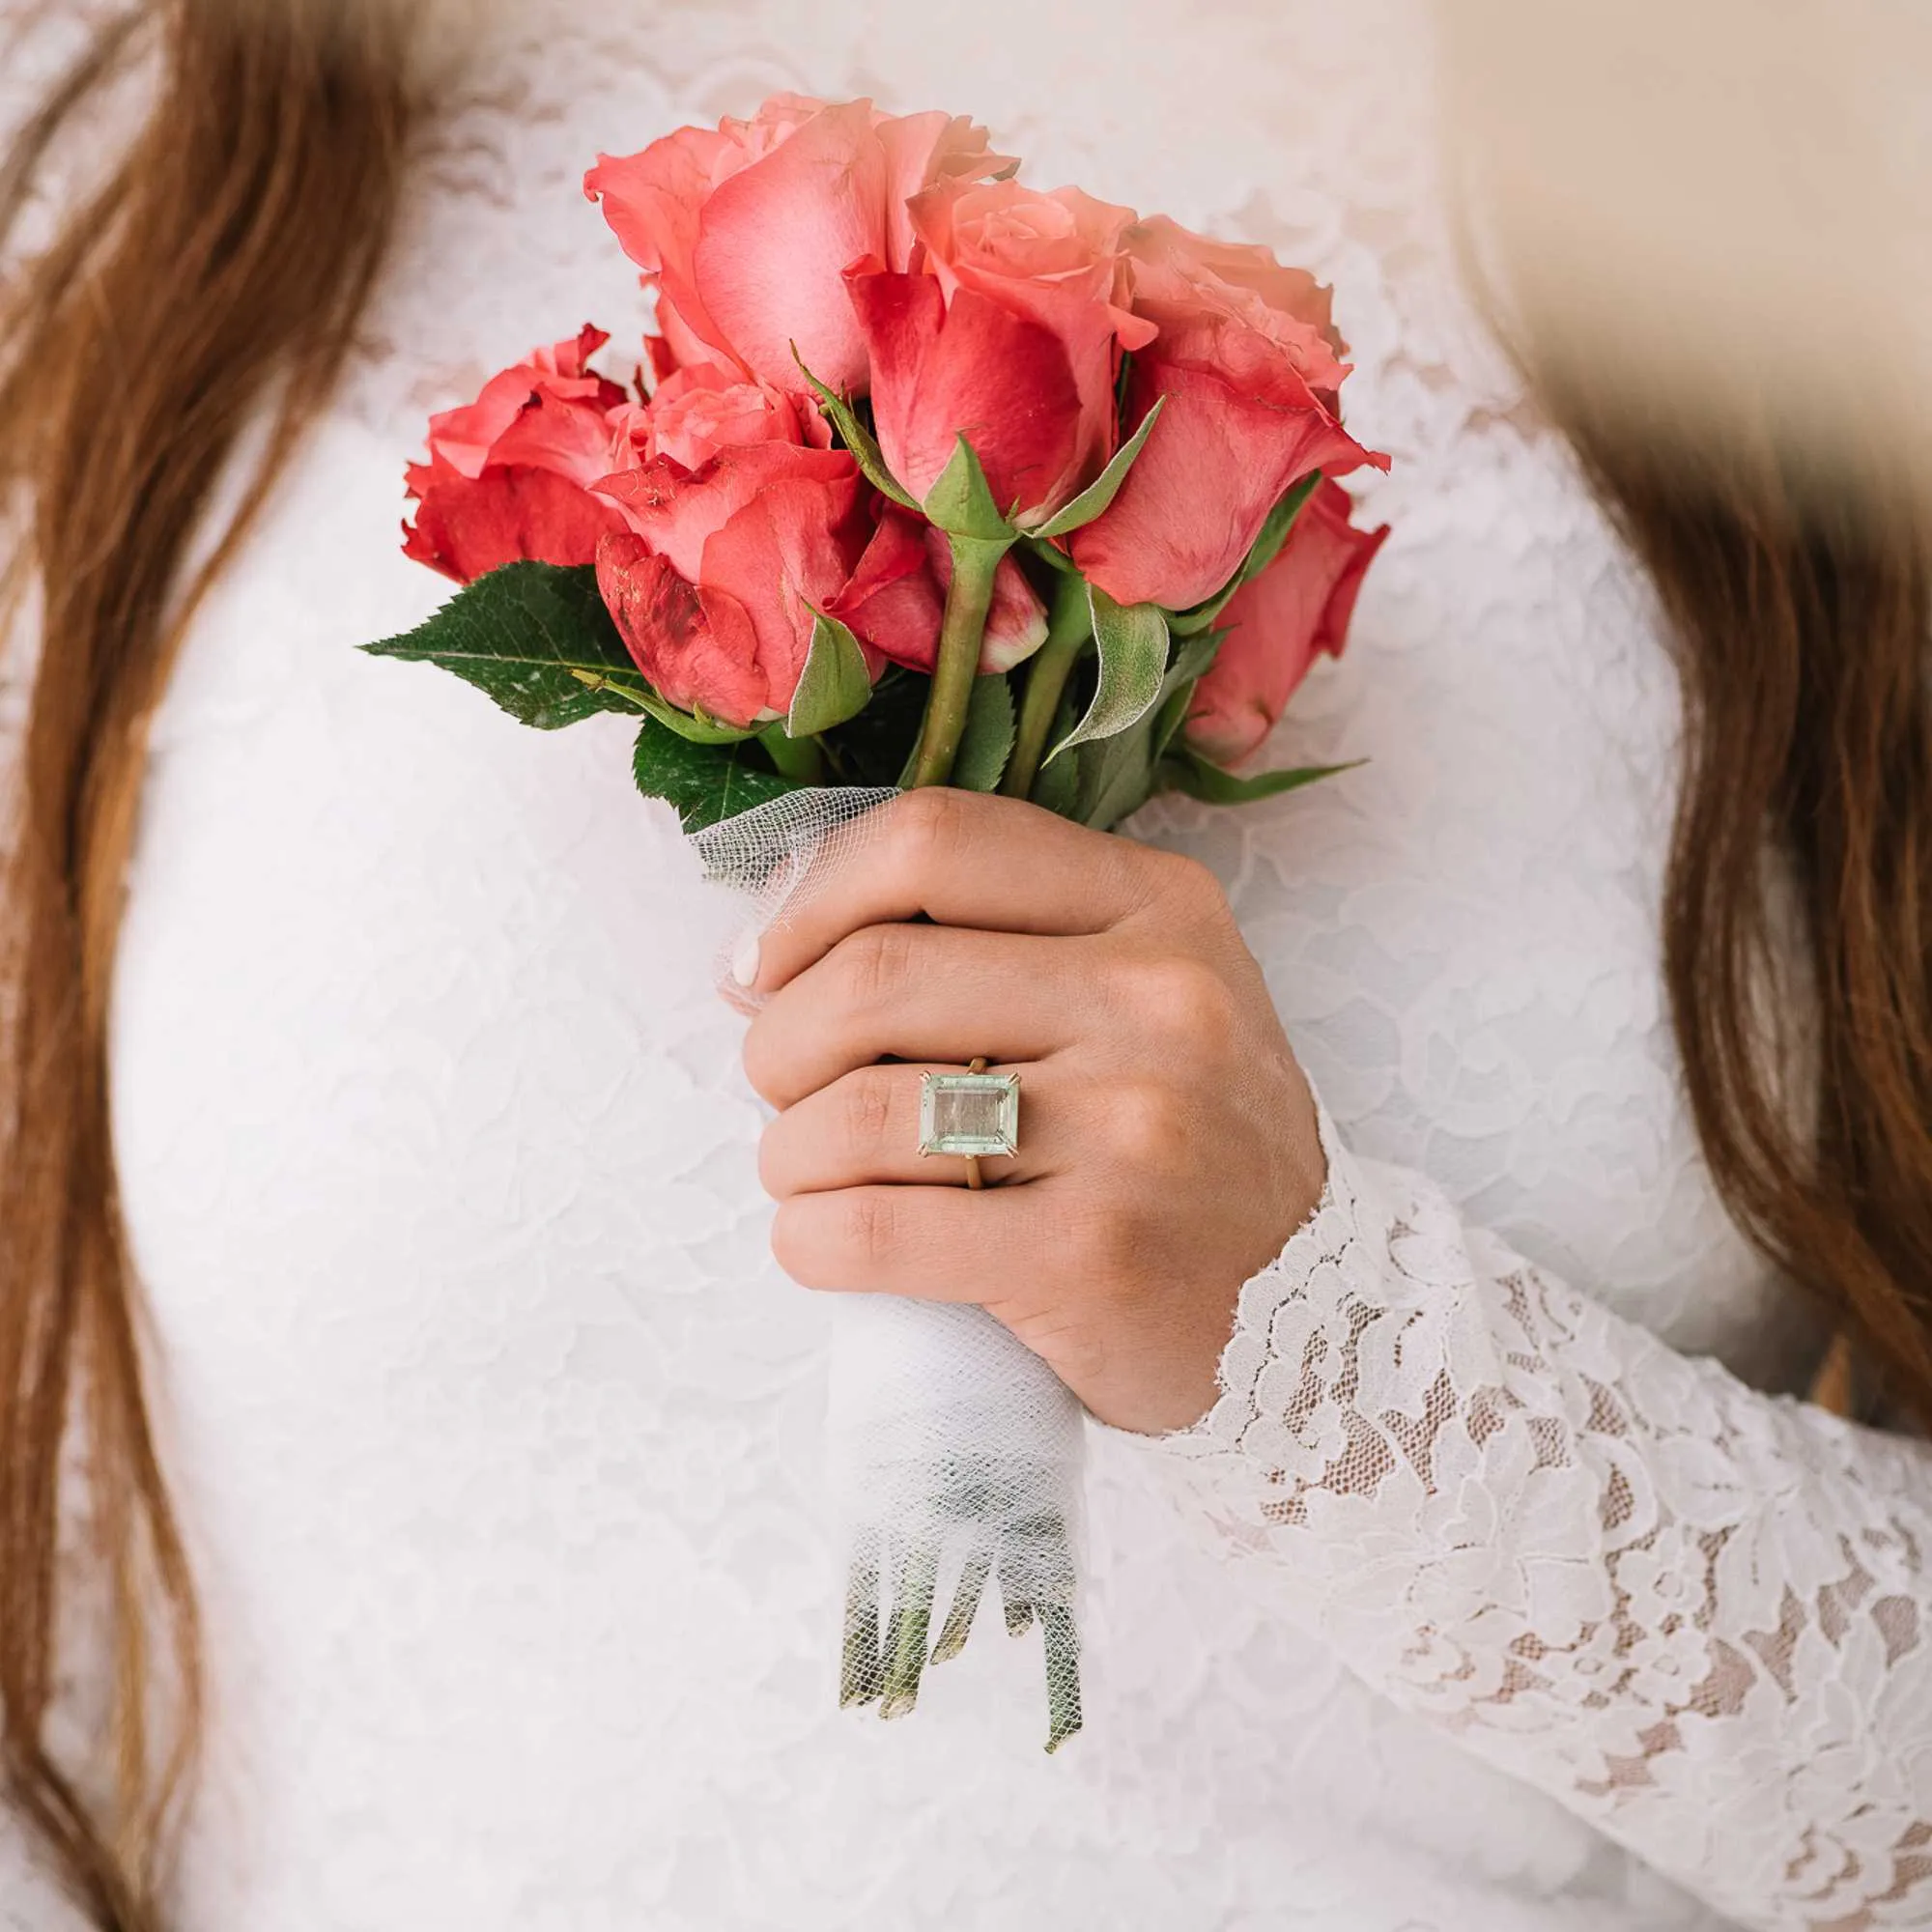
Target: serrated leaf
column 1131, row 643
column 1056, row 788
column 1261, row 553
column 537, row 638
column 1099, row 495
column 835, row 684
column 857, row 438
column 1189, row 772
column 961, row 502
column 988, row 740
column 702, row 783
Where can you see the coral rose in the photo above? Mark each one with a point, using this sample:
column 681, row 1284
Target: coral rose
column 745, row 231
column 1294, row 611
column 715, row 580
column 509, row 475
column 1249, row 365
column 1010, row 332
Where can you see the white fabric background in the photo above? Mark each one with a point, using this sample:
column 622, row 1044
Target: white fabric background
column 496, row 1432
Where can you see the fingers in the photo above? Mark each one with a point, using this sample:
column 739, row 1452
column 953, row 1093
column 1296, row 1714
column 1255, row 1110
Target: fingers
column 930, row 1243
column 863, row 1130
column 963, row 858
column 922, row 993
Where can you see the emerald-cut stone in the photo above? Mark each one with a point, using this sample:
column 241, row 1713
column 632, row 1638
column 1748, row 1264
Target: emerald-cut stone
column 970, row 1114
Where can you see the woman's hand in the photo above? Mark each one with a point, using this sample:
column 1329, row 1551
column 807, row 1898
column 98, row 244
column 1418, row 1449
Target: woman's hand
column 1168, row 1144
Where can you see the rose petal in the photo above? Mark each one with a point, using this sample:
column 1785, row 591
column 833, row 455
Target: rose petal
column 467, row 525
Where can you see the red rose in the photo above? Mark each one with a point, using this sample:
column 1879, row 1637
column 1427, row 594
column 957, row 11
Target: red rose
column 897, row 599
column 1248, row 363
column 744, row 232
column 715, row 582
column 1011, row 333
column 509, row 475
column 1297, row 609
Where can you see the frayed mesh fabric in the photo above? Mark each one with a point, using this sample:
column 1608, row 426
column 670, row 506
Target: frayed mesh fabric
column 955, row 1455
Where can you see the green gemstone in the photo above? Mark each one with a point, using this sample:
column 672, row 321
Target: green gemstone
column 970, row 1114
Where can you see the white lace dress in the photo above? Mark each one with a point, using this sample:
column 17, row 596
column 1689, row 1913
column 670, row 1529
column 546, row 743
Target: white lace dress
column 1482, row 1603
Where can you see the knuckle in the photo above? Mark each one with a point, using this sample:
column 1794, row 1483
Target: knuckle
column 878, row 964
column 870, row 1104
column 870, row 1231
column 1186, row 884
column 1145, row 1128
column 1183, row 998
column 931, row 827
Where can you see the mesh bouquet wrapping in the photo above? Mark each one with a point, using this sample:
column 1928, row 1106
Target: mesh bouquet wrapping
column 954, row 1453
column 925, row 476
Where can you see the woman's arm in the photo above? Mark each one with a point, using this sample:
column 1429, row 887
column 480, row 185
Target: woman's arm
column 1699, row 1617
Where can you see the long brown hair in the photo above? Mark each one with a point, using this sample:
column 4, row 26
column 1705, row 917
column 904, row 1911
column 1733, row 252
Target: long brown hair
column 1796, row 581
column 222, row 268
column 216, row 273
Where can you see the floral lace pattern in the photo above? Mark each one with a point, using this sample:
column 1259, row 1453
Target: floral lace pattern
column 1702, row 1616
column 497, row 1433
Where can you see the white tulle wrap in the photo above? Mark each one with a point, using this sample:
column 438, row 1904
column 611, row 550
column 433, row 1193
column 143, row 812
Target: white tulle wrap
column 954, row 1453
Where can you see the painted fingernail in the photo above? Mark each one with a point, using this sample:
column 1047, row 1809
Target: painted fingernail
column 745, row 961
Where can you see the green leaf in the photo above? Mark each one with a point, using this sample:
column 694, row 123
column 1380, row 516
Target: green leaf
column 1261, row 553
column 1117, row 776
column 872, row 748
column 1056, row 788
column 702, row 782
column 988, row 740
column 961, row 504
column 1099, row 494
column 1132, row 644
column 858, row 438
column 1190, row 773
column 835, row 684
column 537, row 640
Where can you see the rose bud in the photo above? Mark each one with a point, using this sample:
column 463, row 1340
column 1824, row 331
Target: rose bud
column 1249, row 365
column 897, row 599
column 509, row 475
column 1294, row 611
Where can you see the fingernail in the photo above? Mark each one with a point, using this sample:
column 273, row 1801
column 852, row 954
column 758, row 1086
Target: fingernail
column 745, row 961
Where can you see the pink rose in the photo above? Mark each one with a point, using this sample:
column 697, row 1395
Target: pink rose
column 744, row 232
column 1013, row 333
column 714, row 582
column 509, row 475
column 1247, row 362
column 1297, row 609
column 700, row 409
column 897, row 599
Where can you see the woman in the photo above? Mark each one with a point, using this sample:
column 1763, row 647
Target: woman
column 490, row 1440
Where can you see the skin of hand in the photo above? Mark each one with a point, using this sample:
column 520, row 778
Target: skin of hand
column 1168, row 1146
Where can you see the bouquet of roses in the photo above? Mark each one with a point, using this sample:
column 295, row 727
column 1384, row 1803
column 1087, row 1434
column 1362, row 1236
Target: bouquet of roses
column 929, row 477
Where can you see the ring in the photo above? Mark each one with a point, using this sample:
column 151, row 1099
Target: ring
column 975, row 1115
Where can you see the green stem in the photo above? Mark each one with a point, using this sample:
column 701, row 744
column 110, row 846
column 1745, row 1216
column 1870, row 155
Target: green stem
column 958, row 1624
column 1070, row 627
column 975, row 562
column 799, row 758
column 862, row 1675
column 905, row 1637
column 1063, row 1675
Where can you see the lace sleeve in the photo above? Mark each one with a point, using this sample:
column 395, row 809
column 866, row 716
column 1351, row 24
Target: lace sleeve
column 1697, row 1615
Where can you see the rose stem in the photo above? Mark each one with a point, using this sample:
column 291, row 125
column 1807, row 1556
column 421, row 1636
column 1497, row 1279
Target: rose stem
column 1069, row 625
column 1063, row 1675
column 799, row 758
column 959, row 1624
column 976, row 563
column 859, row 1677
column 1018, row 1610
column 912, row 1617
